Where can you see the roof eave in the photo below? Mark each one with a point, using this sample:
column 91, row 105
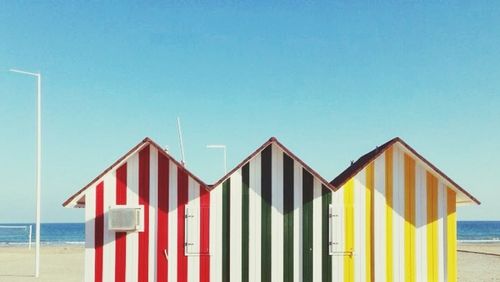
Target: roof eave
column 74, row 200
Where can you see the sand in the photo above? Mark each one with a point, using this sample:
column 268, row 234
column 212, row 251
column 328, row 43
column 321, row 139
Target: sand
column 65, row 263
column 58, row 264
column 479, row 262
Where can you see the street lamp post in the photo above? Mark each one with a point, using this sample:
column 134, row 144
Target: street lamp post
column 38, row 163
column 225, row 156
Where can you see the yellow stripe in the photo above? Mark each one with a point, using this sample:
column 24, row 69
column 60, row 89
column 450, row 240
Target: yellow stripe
column 369, row 221
column 388, row 212
column 349, row 230
column 432, row 236
column 452, row 236
column 409, row 166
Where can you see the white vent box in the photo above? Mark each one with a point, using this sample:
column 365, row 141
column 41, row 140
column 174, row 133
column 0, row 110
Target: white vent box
column 126, row 218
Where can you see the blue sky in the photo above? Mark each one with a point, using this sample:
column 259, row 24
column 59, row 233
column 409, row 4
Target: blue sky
column 330, row 80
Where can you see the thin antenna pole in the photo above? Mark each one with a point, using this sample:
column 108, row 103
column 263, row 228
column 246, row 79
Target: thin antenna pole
column 183, row 160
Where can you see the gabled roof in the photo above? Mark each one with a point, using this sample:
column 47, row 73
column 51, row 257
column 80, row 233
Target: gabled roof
column 367, row 158
column 78, row 199
column 275, row 141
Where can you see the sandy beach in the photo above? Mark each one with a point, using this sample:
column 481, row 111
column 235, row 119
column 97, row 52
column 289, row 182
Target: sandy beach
column 479, row 262
column 58, row 264
column 476, row 262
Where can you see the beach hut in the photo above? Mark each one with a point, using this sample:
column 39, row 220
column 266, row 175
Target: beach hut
column 390, row 216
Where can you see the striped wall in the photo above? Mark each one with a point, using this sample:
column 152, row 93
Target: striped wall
column 148, row 178
column 272, row 223
column 403, row 224
column 269, row 221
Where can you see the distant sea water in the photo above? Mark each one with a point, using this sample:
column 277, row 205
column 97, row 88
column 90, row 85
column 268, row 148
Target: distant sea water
column 51, row 234
column 478, row 231
column 74, row 233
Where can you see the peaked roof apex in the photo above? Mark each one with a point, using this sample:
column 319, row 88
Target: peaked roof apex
column 286, row 150
column 364, row 160
column 74, row 200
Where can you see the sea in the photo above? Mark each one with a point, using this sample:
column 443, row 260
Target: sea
column 74, row 233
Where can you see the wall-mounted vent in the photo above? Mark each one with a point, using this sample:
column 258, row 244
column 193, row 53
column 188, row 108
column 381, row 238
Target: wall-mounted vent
column 125, row 218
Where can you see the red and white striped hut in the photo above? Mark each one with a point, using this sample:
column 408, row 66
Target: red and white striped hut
column 390, row 216
column 135, row 215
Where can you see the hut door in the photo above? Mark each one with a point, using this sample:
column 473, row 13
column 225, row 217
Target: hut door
column 336, row 229
column 196, row 230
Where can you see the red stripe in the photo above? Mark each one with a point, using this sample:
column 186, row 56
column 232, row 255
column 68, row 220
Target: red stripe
column 144, row 200
column 162, row 238
column 204, row 235
column 182, row 196
column 121, row 237
column 99, row 230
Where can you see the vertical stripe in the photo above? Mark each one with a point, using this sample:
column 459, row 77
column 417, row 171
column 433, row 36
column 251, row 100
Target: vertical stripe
column 389, row 211
column 432, row 267
column 99, row 231
column 144, row 200
column 379, row 220
column 277, row 215
column 162, row 228
column 451, row 223
column 108, row 250
column 245, row 186
column 316, row 231
column 398, row 216
column 226, row 216
column 360, row 252
column 235, row 227
column 288, row 210
column 131, row 260
column 266, row 187
column 441, row 229
column 370, row 183
column 153, row 209
column 326, row 259
column 338, row 258
column 90, row 216
column 254, row 236
column 182, row 197
column 349, row 231
column 204, row 235
column 172, row 222
column 216, row 241
column 409, row 165
column 192, row 231
column 307, row 231
column 121, row 239
column 421, row 223
column 298, row 222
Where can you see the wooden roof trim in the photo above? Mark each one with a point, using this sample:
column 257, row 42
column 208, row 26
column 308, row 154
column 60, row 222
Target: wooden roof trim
column 79, row 202
column 282, row 147
column 439, row 172
column 360, row 164
column 366, row 159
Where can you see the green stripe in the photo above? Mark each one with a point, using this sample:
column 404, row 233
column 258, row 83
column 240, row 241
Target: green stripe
column 326, row 200
column 266, row 186
column 245, row 175
column 226, row 186
column 307, row 228
column 288, row 218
